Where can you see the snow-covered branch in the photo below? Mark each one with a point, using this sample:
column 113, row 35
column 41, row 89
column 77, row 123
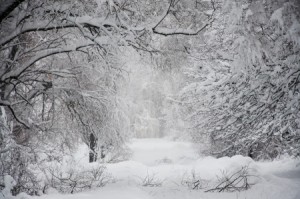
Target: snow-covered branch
column 34, row 27
column 181, row 31
column 46, row 53
column 7, row 6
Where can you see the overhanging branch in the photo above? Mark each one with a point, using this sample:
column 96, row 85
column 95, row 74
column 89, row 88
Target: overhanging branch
column 7, row 6
column 180, row 31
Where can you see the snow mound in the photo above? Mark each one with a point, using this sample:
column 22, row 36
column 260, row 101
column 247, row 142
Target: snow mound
column 160, row 168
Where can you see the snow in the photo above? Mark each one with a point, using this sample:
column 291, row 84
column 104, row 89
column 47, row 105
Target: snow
column 277, row 16
column 154, row 151
column 171, row 162
column 9, row 182
column 248, row 13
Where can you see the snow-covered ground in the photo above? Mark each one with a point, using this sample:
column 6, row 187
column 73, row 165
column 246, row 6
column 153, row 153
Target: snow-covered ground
column 173, row 163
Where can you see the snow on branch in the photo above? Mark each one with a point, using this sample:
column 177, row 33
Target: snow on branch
column 237, row 181
column 31, row 27
column 16, row 73
column 17, row 118
column 70, row 22
column 179, row 31
column 7, row 6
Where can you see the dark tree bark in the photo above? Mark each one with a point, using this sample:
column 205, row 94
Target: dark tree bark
column 93, row 144
column 102, row 152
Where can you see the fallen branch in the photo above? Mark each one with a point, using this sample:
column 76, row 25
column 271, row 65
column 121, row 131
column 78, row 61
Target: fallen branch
column 237, row 181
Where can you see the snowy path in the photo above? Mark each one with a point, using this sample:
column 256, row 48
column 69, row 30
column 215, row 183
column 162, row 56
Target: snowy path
column 154, row 151
column 171, row 163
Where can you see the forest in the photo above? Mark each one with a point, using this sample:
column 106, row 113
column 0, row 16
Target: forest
column 149, row 99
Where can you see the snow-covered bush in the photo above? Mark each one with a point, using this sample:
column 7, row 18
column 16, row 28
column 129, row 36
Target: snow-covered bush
column 76, row 179
column 14, row 162
column 9, row 184
column 151, row 180
column 118, row 154
column 194, row 181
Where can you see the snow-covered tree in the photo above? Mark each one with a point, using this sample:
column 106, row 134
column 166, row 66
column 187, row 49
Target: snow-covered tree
column 60, row 69
column 243, row 90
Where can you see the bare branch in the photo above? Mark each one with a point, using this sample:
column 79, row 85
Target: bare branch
column 17, row 118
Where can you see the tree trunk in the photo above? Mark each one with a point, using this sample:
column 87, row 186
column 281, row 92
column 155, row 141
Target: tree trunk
column 93, row 144
column 102, row 152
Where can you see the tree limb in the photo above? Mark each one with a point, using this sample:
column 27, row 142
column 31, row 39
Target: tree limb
column 7, row 6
